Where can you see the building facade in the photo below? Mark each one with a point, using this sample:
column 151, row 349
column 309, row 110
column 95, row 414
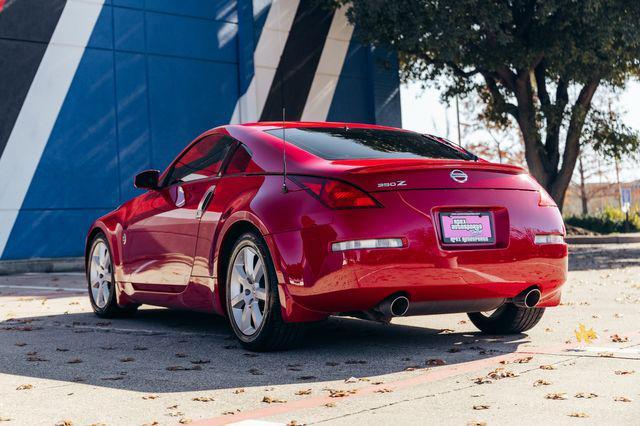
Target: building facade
column 94, row 91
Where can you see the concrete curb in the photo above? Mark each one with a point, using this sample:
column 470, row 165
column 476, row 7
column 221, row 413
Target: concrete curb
column 58, row 264
column 603, row 239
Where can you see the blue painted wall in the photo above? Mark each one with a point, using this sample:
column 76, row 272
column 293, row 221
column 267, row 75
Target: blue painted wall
column 155, row 74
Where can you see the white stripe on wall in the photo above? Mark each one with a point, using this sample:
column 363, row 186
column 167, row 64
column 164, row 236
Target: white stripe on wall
column 265, row 60
column 41, row 108
column 329, row 68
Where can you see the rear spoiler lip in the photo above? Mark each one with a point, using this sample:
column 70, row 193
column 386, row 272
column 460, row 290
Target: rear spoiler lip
column 468, row 165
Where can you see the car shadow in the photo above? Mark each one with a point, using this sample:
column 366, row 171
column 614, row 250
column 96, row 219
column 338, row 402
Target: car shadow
column 598, row 257
column 159, row 351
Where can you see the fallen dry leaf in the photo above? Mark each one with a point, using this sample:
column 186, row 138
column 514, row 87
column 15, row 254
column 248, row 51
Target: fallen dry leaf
column 127, row 359
column 476, row 423
column 203, row 399
column 5, row 419
column 200, row 361
column 231, row 413
column 330, row 404
column 181, row 355
column 383, row 390
column 541, row 382
column 74, row 361
column 605, row 354
column 584, row 335
column 587, row 395
column 304, row 392
column 20, row 344
column 271, row 400
column 435, row 362
column 624, row 372
column 64, row 423
column 619, row 339
column 338, row 393
column 579, row 415
column 24, row 387
column 556, row 396
column 237, row 391
column 355, row 361
column 351, row 380
column 181, row 368
column 547, row 367
column 151, row 397
column 621, row 399
column 184, row 421
column 480, row 407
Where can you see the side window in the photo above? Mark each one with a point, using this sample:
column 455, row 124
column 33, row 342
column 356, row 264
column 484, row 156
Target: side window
column 239, row 161
column 202, row 160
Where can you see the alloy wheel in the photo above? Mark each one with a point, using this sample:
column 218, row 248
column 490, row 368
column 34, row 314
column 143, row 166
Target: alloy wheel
column 248, row 290
column 100, row 274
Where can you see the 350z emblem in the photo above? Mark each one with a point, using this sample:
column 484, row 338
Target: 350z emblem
column 392, row 184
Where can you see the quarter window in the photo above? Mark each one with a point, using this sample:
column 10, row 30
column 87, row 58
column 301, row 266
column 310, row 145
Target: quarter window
column 239, row 161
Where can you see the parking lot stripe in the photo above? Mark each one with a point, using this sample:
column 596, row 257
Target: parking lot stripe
column 42, row 288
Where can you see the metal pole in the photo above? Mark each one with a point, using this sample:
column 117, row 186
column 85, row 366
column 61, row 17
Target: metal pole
column 458, row 120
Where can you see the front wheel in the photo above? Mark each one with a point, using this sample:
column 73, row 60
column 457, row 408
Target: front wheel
column 101, row 282
column 253, row 304
column 507, row 319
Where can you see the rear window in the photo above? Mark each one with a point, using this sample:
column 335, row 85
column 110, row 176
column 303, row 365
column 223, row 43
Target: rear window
column 345, row 143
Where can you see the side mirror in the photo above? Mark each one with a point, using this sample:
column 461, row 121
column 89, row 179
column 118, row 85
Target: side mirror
column 147, row 179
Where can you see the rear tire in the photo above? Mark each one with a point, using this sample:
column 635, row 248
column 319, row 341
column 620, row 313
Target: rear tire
column 101, row 281
column 507, row 319
column 252, row 299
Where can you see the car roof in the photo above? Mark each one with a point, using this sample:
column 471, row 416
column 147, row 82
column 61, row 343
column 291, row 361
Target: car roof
column 270, row 125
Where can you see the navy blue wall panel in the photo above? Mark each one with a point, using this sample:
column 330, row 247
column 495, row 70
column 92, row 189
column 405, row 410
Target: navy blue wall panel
column 133, row 119
column 187, row 97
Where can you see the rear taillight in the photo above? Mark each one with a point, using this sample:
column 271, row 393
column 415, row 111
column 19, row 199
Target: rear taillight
column 335, row 194
column 545, row 199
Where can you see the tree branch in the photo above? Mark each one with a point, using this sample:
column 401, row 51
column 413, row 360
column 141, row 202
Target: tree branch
column 498, row 99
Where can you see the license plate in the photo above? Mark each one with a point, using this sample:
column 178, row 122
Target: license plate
column 467, row 228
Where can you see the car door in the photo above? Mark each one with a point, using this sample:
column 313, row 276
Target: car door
column 161, row 237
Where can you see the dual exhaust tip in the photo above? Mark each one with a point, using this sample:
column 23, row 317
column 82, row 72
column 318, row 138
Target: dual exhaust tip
column 394, row 306
column 528, row 298
column 398, row 306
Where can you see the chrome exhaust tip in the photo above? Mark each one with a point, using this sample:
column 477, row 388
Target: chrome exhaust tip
column 528, row 298
column 394, row 306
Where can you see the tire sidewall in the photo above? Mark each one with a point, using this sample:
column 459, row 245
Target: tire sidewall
column 271, row 304
column 111, row 303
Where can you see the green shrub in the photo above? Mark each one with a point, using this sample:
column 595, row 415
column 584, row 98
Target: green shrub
column 609, row 220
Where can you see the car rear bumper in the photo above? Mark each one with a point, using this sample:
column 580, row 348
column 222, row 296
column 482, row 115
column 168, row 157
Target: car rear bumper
column 319, row 281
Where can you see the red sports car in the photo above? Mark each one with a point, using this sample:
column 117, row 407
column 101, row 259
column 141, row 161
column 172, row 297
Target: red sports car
column 276, row 225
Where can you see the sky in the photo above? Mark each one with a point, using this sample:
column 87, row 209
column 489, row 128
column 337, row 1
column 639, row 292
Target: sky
column 423, row 111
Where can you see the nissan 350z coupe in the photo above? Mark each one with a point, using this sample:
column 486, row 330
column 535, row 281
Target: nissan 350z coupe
column 276, row 225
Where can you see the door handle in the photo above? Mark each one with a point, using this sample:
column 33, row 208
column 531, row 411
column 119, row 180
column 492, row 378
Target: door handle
column 204, row 203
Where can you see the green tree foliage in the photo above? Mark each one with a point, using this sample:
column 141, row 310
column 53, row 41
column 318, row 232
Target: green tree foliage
column 538, row 63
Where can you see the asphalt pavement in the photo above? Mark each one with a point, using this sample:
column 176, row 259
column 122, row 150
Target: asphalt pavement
column 59, row 363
